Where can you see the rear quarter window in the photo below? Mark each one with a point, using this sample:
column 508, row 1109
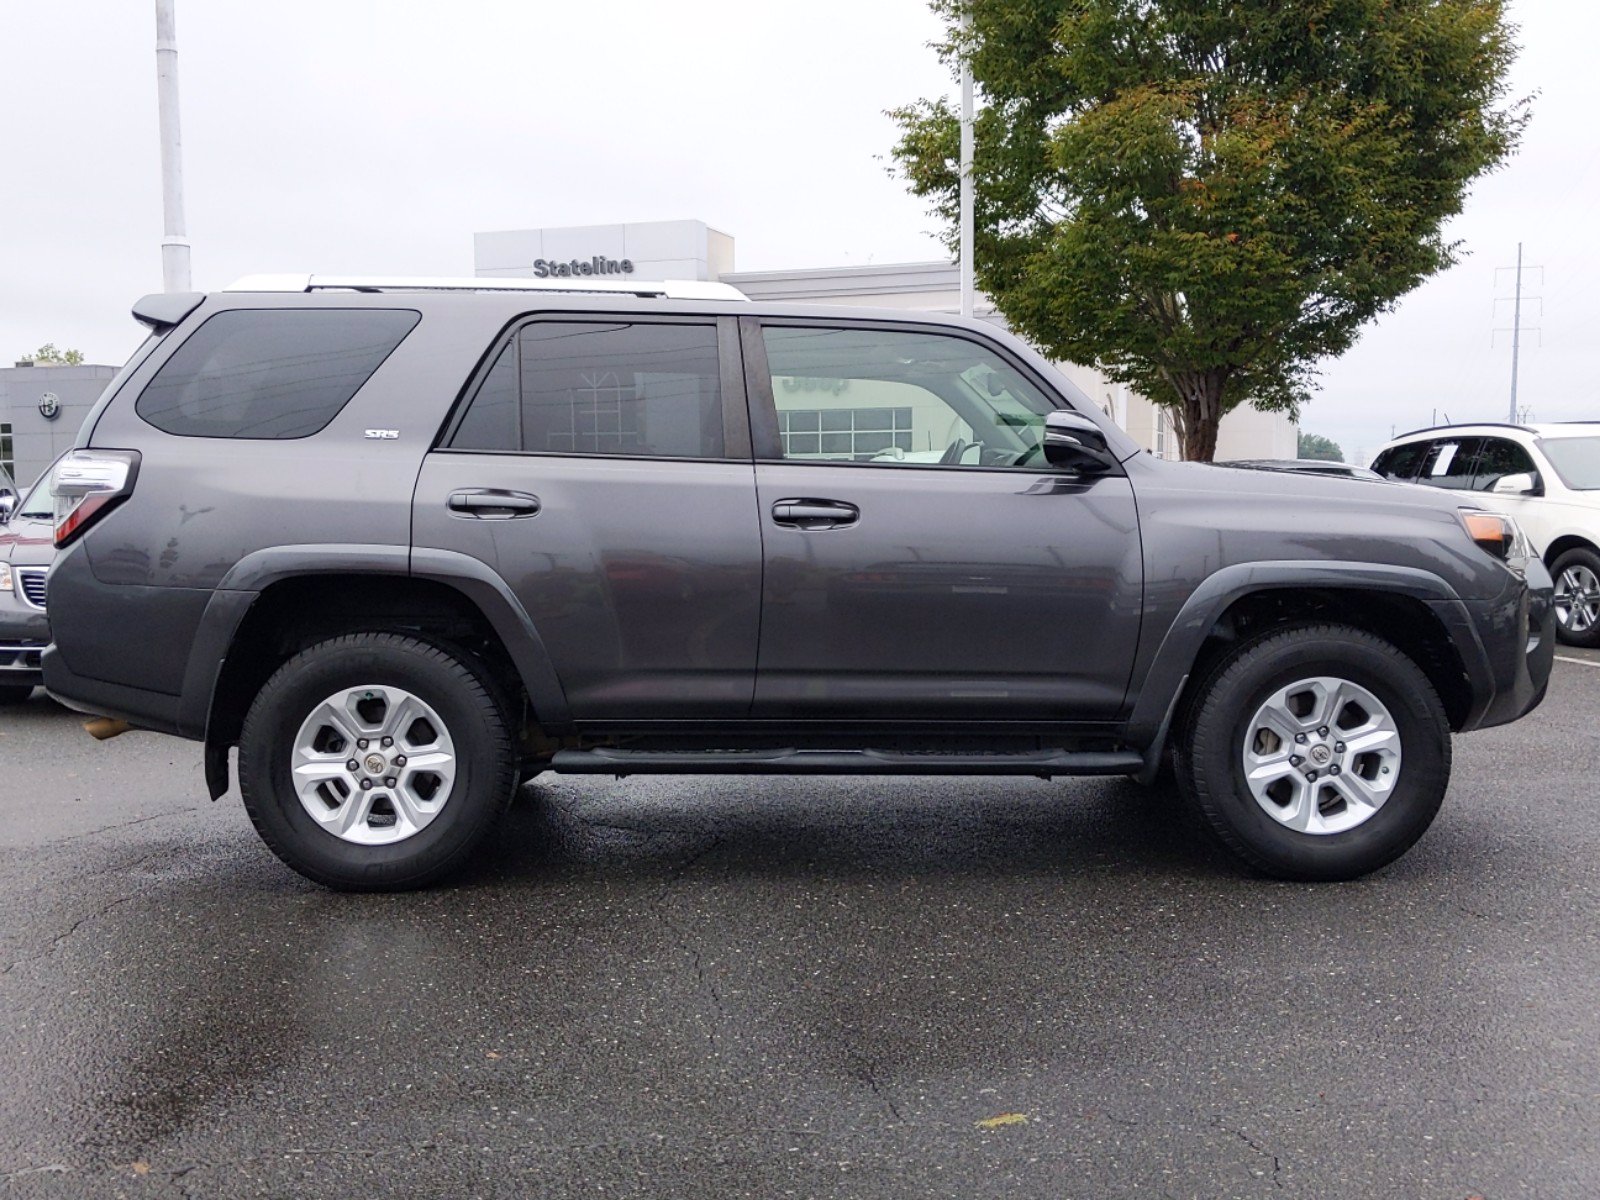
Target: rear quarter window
column 270, row 373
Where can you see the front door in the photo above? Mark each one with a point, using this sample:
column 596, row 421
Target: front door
column 923, row 561
column 596, row 471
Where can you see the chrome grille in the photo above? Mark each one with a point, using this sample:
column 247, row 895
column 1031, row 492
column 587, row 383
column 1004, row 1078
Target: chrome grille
column 32, row 586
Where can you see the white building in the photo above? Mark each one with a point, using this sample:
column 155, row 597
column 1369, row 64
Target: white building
column 693, row 250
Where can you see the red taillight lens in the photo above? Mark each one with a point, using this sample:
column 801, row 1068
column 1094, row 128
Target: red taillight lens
column 87, row 484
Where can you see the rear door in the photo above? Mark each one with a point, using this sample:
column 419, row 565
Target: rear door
column 923, row 561
column 601, row 466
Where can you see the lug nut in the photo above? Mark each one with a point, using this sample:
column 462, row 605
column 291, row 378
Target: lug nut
column 1300, row 738
column 1323, row 732
column 352, row 765
column 388, row 781
column 399, row 760
column 366, row 785
column 1334, row 770
column 1311, row 774
column 1294, row 760
column 1338, row 747
column 361, row 743
column 388, row 741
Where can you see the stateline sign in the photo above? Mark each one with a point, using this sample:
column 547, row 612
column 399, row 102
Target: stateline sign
column 546, row 268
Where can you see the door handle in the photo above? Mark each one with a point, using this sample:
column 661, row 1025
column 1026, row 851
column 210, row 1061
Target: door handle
column 814, row 514
column 490, row 504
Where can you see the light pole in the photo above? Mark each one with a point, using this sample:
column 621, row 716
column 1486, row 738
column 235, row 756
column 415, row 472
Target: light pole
column 967, row 220
column 175, row 240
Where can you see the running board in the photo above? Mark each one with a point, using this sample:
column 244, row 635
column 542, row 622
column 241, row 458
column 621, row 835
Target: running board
column 1044, row 763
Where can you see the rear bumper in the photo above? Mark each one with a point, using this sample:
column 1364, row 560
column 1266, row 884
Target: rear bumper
column 137, row 706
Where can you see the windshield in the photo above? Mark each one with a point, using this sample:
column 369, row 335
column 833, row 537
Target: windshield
column 38, row 505
column 1576, row 460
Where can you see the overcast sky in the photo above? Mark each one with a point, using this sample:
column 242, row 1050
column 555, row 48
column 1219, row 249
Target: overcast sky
column 361, row 136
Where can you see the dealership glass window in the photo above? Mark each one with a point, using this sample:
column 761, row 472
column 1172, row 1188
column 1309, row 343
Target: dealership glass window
column 270, row 373
column 1498, row 458
column 893, row 398
column 8, row 466
column 830, row 432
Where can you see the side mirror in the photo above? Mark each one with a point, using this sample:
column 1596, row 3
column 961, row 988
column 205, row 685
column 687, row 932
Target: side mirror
column 1521, row 484
column 1076, row 443
column 8, row 501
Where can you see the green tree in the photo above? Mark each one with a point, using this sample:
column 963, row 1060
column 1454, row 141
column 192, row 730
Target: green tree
column 1314, row 445
column 1203, row 198
column 50, row 356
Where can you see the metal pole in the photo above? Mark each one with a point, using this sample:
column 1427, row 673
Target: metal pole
column 1516, row 334
column 967, row 220
column 175, row 240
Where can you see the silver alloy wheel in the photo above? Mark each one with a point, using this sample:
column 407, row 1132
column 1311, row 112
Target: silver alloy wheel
column 1578, row 599
column 1321, row 755
column 373, row 764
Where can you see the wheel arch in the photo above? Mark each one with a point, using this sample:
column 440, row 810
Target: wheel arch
column 1567, row 541
column 274, row 604
column 1415, row 610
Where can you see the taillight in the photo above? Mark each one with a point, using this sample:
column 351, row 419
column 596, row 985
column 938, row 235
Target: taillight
column 88, row 484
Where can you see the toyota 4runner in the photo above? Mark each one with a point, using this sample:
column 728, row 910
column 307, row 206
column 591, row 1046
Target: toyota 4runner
column 407, row 543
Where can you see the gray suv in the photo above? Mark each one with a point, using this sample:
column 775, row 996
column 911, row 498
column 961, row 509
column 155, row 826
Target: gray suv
column 405, row 544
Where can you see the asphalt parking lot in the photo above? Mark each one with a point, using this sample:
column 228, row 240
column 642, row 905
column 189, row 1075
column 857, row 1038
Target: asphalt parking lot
column 720, row 987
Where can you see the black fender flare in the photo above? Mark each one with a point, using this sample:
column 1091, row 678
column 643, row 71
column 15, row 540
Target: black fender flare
column 244, row 583
column 1169, row 666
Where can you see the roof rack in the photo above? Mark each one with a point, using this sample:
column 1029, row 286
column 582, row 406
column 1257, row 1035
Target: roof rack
column 668, row 289
column 1462, row 425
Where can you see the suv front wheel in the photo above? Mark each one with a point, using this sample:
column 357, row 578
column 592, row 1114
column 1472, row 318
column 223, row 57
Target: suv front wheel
column 376, row 761
column 1577, row 597
column 1315, row 752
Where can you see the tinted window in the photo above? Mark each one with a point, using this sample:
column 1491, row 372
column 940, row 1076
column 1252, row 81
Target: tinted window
column 1498, row 458
column 898, row 399
column 490, row 422
column 1450, row 463
column 270, row 373
column 1401, row 462
column 630, row 388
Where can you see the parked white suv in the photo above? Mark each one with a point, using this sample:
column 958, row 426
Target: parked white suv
column 1546, row 476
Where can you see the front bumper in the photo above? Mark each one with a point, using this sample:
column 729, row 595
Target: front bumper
column 1517, row 634
column 24, row 633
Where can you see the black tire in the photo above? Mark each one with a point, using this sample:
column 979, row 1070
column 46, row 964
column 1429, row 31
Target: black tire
column 460, row 691
column 1210, row 747
column 1588, row 559
column 14, row 693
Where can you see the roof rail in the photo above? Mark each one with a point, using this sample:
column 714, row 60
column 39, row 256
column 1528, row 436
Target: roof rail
column 1461, row 425
column 668, row 289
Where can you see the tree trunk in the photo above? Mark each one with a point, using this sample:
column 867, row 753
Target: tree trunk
column 1199, row 415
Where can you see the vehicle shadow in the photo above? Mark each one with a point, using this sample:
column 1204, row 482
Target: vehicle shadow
column 843, row 828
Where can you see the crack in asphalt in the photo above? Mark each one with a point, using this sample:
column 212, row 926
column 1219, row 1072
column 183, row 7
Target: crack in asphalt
column 120, row 825
column 56, row 941
column 682, row 935
column 865, row 1073
column 1277, row 1165
column 43, row 1169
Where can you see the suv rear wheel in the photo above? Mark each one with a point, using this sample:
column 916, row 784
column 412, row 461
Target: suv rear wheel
column 1315, row 752
column 376, row 761
column 1577, row 598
